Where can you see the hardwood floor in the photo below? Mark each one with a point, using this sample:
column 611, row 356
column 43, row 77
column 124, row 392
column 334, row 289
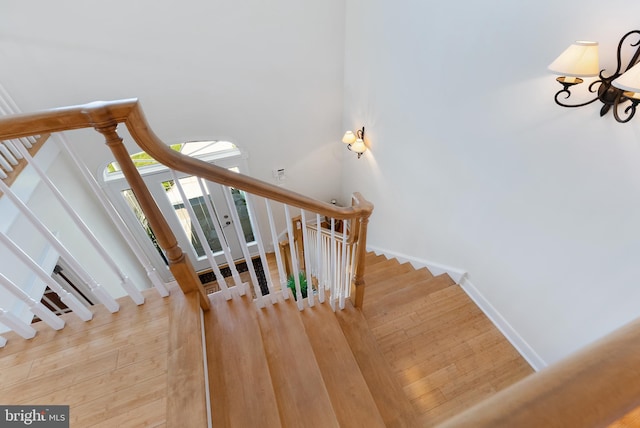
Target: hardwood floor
column 446, row 353
column 111, row 371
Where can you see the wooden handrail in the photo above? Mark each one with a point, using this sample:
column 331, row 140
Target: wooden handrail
column 105, row 117
column 103, row 114
column 592, row 388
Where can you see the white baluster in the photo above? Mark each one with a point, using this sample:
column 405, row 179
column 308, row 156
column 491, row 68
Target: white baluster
column 319, row 259
column 15, row 324
column 6, row 165
column 116, row 219
column 294, row 258
column 211, row 209
column 201, row 236
column 13, row 149
column 263, row 254
column 125, row 282
column 37, row 308
column 276, row 246
column 8, row 155
column 3, row 175
column 3, row 342
column 97, row 290
column 343, row 268
column 332, row 271
column 307, row 259
column 26, row 142
column 69, row 299
column 226, row 191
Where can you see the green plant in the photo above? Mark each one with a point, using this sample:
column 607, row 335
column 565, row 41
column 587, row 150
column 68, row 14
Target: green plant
column 291, row 284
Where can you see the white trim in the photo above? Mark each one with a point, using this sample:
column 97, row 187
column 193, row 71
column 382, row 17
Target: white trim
column 435, row 268
column 460, row 276
column 527, row 352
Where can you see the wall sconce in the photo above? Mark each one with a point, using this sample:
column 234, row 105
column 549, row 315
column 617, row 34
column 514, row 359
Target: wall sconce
column 620, row 89
column 355, row 141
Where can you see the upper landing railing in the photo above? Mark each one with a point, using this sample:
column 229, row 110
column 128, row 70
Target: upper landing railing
column 105, row 117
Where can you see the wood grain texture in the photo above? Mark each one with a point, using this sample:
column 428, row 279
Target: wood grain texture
column 240, row 382
column 186, row 400
column 591, row 388
column 395, row 408
column 349, row 393
column 303, row 400
column 445, row 353
column 111, row 371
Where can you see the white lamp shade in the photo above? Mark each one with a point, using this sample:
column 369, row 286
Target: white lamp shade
column 630, row 80
column 349, row 137
column 358, row 146
column 578, row 60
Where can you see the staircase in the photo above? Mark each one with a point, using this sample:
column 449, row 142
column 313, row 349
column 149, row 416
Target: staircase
column 418, row 353
column 395, row 363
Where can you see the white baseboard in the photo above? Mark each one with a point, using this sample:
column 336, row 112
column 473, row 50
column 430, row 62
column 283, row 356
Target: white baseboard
column 527, row 352
column 456, row 274
column 461, row 278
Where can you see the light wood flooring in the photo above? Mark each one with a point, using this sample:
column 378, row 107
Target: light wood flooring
column 444, row 354
column 111, row 371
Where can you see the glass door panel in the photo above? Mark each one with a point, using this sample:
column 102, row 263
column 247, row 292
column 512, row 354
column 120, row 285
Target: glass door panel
column 197, row 202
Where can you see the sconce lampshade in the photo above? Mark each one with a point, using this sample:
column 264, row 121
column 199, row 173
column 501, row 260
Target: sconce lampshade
column 629, row 81
column 578, row 60
column 349, row 137
column 358, row 146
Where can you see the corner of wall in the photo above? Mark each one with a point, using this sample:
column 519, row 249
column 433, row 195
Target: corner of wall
column 461, row 277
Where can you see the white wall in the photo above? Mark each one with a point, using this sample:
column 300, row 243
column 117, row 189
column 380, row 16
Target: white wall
column 265, row 75
column 472, row 164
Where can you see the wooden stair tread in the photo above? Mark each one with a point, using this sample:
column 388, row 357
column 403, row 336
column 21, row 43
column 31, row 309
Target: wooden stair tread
column 387, row 284
column 394, row 406
column 303, row 399
column 412, row 295
column 386, row 266
column 242, row 392
column 371, row 258
column 186, row 397
column 348, row 390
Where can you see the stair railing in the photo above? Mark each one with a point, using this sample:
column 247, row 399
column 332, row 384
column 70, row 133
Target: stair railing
column 327, row 251
column 594, row 387
column 105, row 118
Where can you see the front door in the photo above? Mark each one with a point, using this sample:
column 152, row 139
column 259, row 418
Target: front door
column 164, row 190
